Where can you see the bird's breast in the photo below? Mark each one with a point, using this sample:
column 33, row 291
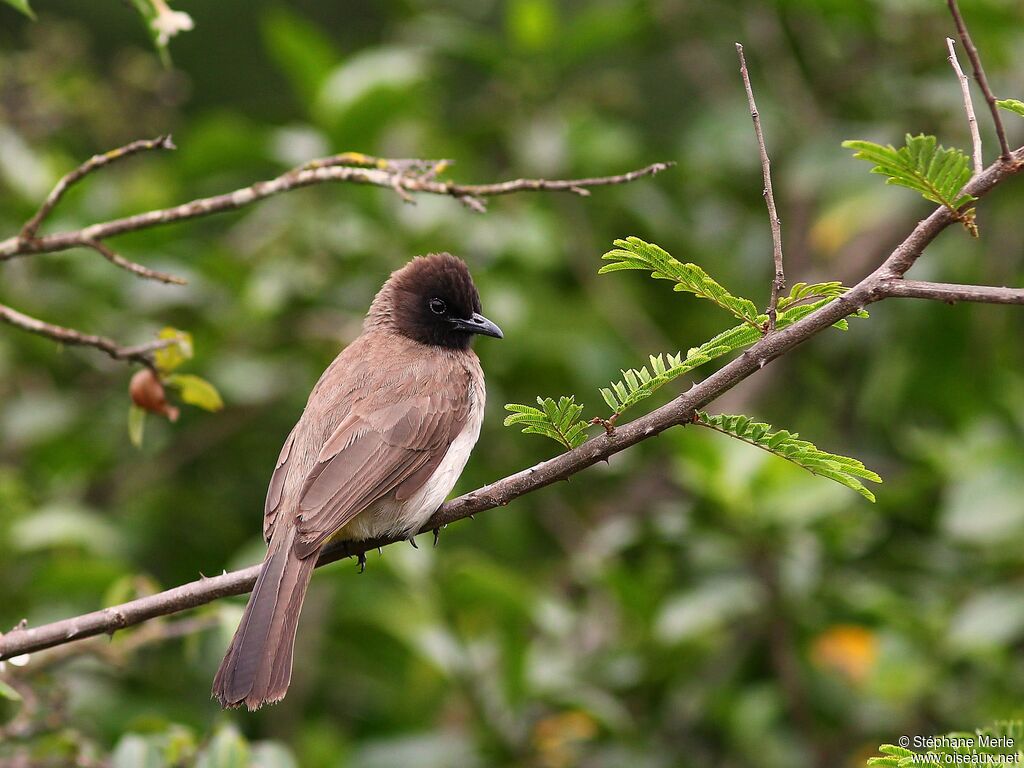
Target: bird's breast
column 390, row 517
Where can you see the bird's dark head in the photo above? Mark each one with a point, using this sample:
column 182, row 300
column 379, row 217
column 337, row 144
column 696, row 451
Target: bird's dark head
column 433, row 300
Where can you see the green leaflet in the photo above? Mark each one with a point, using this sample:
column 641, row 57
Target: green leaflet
column 640, row 383
column 558, row 421
column 937, row 173
column 787, row 445
column 169, row 358
column 634, row 253
column 21, row 5
column 1011, row 105
column 136, row 425
column 802, row 292
column 196, row 391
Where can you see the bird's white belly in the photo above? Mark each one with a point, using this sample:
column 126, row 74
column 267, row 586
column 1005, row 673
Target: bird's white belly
column 389, row 517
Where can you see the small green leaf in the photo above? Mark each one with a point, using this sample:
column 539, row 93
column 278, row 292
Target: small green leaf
column 136, row 424
column 609, row 398
column 21, row 5
column 7, row 692
column 1010, row 105
column 195, row 390
column 170, row 357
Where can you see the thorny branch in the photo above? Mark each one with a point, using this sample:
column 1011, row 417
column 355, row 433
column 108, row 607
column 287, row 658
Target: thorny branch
column 405, row 177
column 779, row 280
column 141, row 353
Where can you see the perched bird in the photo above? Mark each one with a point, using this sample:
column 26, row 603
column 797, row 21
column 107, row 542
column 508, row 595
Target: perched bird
column 384, row 436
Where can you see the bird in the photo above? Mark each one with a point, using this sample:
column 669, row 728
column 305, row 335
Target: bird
column 385, row 434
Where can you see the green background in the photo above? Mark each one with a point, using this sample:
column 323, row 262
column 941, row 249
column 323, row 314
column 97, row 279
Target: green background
column 695, row 602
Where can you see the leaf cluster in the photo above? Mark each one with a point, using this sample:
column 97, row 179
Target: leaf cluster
column 640, row 383
column 788, row 445
column 937, row 173
column 634, row 253
column 559, row 421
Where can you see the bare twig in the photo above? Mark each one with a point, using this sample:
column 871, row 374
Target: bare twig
column 138, row 354
column 305, row 177
column 93, row 163
column 136, row 269
column 972, row 121
column 875, row 287
column 951, row 293
column 779, row 281
column 979, row 75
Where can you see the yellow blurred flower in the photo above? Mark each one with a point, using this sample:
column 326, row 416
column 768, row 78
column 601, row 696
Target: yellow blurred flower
column 847, row 649
column 557, row 737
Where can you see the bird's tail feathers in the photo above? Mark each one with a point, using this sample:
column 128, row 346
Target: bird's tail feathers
column 258, row 665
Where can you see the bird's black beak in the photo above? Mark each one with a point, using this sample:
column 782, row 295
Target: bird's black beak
column 478, row 324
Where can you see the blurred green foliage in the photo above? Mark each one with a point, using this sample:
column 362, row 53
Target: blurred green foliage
column 696, row 601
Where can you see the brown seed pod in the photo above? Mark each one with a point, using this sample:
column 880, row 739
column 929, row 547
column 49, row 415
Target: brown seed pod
column 148, row 393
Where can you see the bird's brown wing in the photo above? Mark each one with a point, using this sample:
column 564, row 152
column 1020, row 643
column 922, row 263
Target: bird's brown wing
column 276, row 488
column 377, row 451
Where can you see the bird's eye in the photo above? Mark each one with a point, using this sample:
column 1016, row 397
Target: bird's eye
column 438, row 307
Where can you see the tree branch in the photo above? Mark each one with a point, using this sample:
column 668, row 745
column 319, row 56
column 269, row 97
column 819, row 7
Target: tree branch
column 979, row 75
column 136, row 269
column 972, row 121
column 141, row 353
column 94, row 163
column 399, row 180
column 779, row 280
column 874, row 287
column 951, row 293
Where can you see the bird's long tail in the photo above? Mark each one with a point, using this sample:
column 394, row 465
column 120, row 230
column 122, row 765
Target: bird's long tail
column 258, row 665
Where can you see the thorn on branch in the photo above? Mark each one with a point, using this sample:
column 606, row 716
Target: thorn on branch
column 608, row 424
